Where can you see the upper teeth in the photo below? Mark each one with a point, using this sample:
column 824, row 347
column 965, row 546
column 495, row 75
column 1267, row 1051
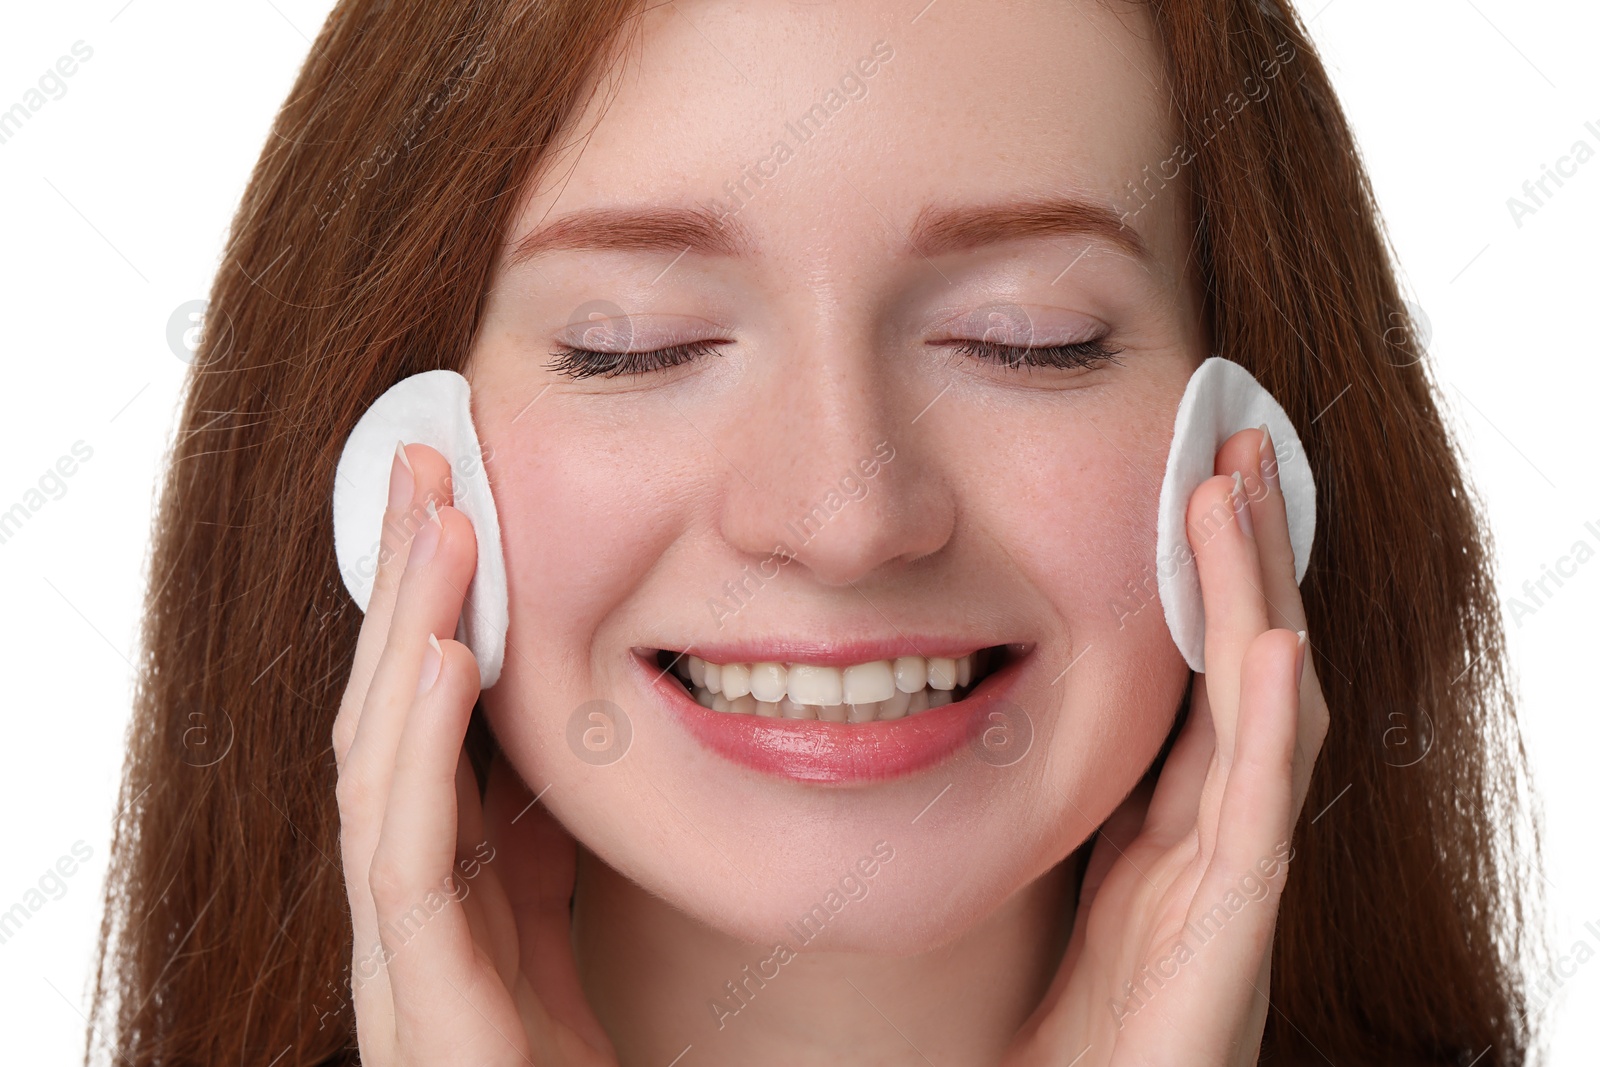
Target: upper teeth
column 862, row 692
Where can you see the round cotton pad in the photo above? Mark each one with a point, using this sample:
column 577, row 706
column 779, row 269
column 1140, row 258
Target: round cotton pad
column 432, row 408
column 1221, row 399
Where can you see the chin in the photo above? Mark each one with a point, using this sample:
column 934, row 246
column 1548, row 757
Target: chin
column 920, row 913
column 869, row 881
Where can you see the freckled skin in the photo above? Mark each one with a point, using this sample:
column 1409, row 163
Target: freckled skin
column 1017, row 507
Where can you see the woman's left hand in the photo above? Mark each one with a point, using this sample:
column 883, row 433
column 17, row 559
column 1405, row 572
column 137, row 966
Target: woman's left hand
column 1171, row 951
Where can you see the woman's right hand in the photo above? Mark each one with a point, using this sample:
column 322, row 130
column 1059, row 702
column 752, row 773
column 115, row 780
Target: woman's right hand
column 462, row 951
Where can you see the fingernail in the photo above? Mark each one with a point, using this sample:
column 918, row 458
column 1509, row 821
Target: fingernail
column 432, row 658
column 1300, row 658
column 1241, row 506
column 426, row 542
column 1269, row 458
column 401, row 479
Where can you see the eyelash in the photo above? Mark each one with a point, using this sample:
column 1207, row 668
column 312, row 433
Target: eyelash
column 580, row 363
column 1061, row 357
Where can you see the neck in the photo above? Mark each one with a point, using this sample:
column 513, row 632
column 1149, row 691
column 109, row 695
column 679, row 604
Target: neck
column 660, row 982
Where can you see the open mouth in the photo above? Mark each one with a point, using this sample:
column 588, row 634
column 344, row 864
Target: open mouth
column 874, row 691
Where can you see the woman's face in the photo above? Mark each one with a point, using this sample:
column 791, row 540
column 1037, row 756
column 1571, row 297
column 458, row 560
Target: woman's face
column 822, row 203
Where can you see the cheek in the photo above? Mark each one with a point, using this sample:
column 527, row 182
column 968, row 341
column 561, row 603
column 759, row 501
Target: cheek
column 1075, row 505
column 1077, row 512
column 580, row 526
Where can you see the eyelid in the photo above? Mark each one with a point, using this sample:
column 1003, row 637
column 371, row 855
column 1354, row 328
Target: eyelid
column 595, row 334
column 1014, row 325
column 623, row 332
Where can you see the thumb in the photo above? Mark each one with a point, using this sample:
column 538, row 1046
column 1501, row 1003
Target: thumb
column 1118, row 832
column 538, row 862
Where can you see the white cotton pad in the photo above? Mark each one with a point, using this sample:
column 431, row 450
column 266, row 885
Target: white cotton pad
column 1221, row 399
column 432, row 408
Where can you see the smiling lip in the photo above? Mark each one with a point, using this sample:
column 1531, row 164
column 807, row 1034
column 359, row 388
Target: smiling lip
column 832, row 653
column 811, row 750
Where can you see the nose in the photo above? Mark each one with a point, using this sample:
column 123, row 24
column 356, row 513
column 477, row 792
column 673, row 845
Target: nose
column 831, row 471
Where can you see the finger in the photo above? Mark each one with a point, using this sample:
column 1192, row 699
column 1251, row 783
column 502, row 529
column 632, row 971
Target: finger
column 419, row 475
column 429, row 590
column 1230, row 582
column 1112, row 842
column 1253, row 453
column 432, row 959
column 1245, row 875
column 416, row 847
column 432, row 590
column 1176, row 803
column 473, row 854
column 1255, row 804
column 538, row 861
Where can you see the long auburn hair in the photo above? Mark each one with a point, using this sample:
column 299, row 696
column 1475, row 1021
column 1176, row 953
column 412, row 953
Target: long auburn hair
column 361, row 253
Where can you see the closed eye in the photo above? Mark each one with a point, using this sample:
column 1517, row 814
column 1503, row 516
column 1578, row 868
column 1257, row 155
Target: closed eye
column 580, row 363
column 1079, row 354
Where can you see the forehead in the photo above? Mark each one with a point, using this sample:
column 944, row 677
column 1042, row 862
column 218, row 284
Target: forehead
column 829, row 124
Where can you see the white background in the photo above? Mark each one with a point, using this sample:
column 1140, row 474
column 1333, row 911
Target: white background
column 115, row 201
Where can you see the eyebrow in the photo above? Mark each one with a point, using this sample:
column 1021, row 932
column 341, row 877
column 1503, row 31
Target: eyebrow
column 668, row 229
column 937, row 230
column 941, row 229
